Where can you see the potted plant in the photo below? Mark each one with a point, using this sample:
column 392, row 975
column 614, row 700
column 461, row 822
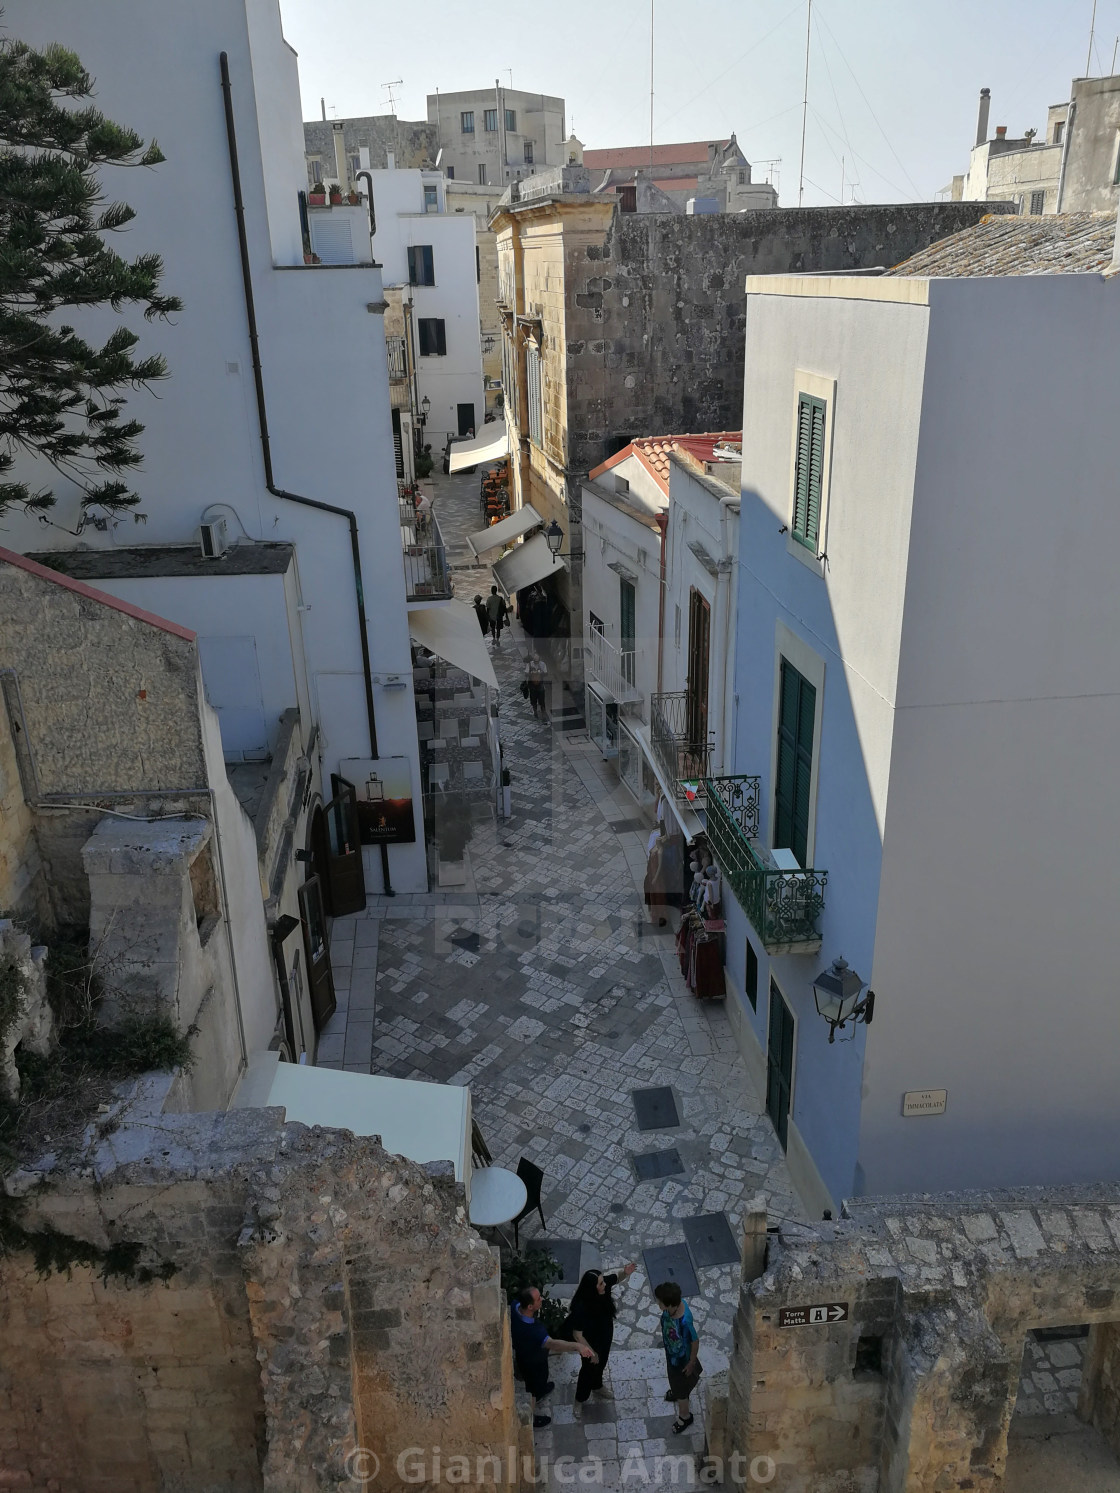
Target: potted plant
column 317, row 197
column 354, row 198
column 336, row 195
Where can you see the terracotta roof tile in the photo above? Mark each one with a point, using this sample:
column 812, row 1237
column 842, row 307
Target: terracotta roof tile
column 654, row 451
column 683, row 154
column 1062, row 244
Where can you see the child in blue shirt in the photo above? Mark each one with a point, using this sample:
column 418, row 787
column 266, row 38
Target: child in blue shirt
column 682, row 1347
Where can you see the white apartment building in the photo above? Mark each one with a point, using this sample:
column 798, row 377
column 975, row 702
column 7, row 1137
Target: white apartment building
column 272, row 527
column 492, row 136
column 430, row 269
column 928, row 690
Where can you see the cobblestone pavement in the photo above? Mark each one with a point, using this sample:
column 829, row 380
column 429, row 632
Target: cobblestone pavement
column 545, row 988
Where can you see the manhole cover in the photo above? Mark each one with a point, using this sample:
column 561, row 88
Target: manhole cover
column 656, row 1109
column 654, row 1164
column 710, row 1240
column 671, row 1262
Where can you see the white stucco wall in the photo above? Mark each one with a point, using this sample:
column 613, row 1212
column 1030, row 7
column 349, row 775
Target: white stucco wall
column 611, row 535
column 995, row 958
column 323, row 350
column 843, row 620
column 699, row 515
column 402, row 222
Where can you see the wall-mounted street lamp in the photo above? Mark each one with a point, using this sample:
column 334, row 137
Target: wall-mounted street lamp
column 425, row 411
column 837, row 994
column 554, row 535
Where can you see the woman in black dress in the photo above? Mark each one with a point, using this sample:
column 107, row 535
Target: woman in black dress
column 592, row 1322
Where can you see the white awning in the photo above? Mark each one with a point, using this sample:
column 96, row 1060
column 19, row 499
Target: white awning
column 689, row 822
column 452, row 633
column 529, row 562
column 491, row 445
column 506, row 530
column 423, row 1121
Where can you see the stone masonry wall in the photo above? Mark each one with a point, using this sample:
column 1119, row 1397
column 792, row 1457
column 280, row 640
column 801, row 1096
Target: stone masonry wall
column 911, row 1388
column 329, row 1308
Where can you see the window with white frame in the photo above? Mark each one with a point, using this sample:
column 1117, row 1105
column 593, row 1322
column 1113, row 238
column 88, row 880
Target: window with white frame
column 536, row 406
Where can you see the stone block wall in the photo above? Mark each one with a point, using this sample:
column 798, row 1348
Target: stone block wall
column 911, row 1388
column 328, row 1310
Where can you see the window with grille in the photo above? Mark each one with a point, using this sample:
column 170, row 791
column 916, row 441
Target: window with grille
column 432, row 331
column 528, row 152
column 466, row 122
column 421, row 265
column 511, row 120
column 1038, row 199
column 490, row 120
column 809, row 471
column 482, row 173
column 536, row 404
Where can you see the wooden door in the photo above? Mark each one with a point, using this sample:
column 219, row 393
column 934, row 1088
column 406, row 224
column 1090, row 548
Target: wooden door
column 699, row 648
column 317, row 952
column 346, row 884
column 779, row 1063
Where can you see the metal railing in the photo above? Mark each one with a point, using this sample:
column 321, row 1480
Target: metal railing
column 784, row 907
column 683, row 755
column 613, row 667
column 395, row 357
column 427, row 575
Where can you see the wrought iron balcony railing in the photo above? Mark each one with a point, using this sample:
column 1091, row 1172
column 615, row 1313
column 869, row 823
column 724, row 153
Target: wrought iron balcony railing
column 395, row 357
column 683, row 752
column 784, row 907
column 612, row 666
column 427, row 575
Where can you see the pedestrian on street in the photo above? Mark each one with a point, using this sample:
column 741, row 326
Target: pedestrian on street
column 535, row 680
column 496, row 610
column 481, row 613
column 682, row 1348
column 532, row 1346
column 591, row 1319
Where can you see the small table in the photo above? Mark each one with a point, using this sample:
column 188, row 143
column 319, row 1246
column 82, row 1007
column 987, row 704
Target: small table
column 497, row 1196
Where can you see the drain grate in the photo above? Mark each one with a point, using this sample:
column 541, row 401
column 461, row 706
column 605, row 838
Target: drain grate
column 623, row 826
column 653, row 1164
column 671, row 1262
column 710, row 1240
column 656, row 1109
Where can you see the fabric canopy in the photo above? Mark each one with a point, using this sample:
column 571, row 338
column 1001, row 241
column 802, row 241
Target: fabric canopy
column 505, row 531
column 492, row 444
column 452, row 633
column 529, row 562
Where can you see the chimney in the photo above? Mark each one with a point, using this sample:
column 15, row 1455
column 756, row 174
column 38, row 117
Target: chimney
column 1001, row 132
column 982, row 117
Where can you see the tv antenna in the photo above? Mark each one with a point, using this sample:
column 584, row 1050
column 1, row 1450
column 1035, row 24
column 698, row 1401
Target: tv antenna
column 805, row 102
column 388, row 87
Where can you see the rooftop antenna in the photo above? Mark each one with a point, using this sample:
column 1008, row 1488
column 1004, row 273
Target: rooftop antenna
column 388, row 87
column 1092, row 33
column 1115, row 45
column 323, row 107
column 510, row 71
column 805, row 103
column 651, row 4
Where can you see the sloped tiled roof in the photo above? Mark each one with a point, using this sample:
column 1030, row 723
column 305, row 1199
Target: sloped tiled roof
column 1063, row 244
column 654, row 452
column 685, row 154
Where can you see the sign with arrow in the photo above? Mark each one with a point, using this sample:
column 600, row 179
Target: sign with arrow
column 813, row 1316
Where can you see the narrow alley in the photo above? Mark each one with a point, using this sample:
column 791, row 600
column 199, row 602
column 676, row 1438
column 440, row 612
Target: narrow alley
column 544, row 986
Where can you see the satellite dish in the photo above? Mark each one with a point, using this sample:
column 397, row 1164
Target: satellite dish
column 439, row 155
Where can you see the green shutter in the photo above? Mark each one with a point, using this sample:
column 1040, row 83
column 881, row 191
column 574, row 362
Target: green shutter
column 797, row 709
column 810, row 470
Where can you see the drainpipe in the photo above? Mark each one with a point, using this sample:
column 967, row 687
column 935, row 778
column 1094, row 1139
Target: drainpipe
column 266, row 445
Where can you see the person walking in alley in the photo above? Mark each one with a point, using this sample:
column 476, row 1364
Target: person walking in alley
column 592, row 1322
column 682, row 1348
column 496, row 610
column 532, row 1346
column 482, row 615
column 535, row 680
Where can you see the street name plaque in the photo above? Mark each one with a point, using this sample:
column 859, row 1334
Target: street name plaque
column 813, row 1316
column 925, row 1102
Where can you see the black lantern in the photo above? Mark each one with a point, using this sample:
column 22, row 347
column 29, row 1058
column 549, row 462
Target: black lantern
column 425, row 410
column 837, row 994
column 554, row 534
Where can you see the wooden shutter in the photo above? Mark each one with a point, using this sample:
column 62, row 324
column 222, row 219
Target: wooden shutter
column 779, row 1063
column 441, row 338
column 626, row 601
column 809, row 475
column 412, row 273
column 797, row 708
column 699, row 642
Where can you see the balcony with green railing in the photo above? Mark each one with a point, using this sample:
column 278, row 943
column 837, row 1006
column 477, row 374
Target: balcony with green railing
column 784, row 907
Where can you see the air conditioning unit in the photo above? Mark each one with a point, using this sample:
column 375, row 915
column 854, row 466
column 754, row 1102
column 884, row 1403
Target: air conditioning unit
column 214, row 540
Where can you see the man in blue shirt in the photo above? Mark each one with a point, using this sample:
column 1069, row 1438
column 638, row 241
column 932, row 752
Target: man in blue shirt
column 532, row 1346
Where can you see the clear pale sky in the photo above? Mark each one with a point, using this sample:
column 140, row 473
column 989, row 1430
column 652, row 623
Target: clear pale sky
column 893, row 84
